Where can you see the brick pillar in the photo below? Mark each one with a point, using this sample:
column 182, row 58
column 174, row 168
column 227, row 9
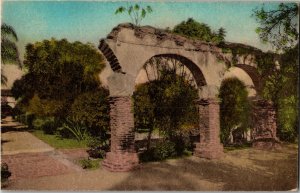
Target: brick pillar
column 122, row 156
column 264, row 125
column 209, row 146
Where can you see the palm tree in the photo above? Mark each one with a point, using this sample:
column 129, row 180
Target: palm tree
column 9, row 50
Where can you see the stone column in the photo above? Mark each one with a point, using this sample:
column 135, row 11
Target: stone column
column 264, row 125
column 122, row 156
column 209, row 146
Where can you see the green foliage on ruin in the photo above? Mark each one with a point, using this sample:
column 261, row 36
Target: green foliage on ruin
column 200, row 31
column 136, row 12
column 234, row 108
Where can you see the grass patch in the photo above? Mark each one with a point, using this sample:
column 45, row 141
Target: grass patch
column 58, row 142
column 91, row 164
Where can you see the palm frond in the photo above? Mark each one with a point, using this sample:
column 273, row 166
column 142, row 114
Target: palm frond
column 9, row 52
column 8, row 31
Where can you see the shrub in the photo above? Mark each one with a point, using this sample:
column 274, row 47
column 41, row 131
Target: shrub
column 92, row 110
column 26, row 119
column 181, row 142
column 5, row 173
column 47, row 124
column 164, row 150
column 98, row 147
column 161, row 151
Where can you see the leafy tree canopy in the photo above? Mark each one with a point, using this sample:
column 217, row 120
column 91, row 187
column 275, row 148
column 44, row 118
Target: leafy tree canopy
column 280, row 86
column 200, row 31
column 278, row 26
column 58, row 71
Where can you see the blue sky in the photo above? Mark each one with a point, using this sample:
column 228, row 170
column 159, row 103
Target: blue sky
column 89, row 21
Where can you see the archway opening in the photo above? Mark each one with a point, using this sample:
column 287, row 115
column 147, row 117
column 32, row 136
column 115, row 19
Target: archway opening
column 165, row 111
column 235, row 110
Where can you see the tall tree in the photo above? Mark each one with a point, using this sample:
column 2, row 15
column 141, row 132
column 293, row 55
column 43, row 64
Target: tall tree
column 201, row 31
column 58, row 71
column 167, row 101
column 278, row 26
column 9, row 50
column 222, row 34
column 235, row 108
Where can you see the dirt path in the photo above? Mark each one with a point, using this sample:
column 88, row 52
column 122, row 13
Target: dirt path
column 246, row 169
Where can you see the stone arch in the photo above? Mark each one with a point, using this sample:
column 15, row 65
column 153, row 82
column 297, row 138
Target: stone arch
column 110, row 56
column 250, row 80
column 127, row 48
column 190, row 65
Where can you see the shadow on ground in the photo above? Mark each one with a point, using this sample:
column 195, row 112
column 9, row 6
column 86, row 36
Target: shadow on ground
column 247, row 170
column 5, row 129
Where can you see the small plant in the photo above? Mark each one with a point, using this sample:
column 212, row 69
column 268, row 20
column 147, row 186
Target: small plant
column 164, row 150
column 89, row 164
column 79, row 131
column 135, row 12
column 98, row 147
column 5, row 173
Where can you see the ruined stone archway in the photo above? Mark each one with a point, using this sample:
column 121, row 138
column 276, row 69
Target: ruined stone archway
column 127, row 48
column 186, row 66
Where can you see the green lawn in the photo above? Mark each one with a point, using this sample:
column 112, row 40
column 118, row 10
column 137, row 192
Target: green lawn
column 58, row 142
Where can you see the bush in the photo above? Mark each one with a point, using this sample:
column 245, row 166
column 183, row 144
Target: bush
column 46, row 124
column 98, row 147
column 182, row 142
column 162, row 150
column 5, row 173
column 92, row 110
column 26, row 119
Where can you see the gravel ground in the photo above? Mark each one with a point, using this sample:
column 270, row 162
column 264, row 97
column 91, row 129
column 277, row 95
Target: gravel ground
column 246, row 169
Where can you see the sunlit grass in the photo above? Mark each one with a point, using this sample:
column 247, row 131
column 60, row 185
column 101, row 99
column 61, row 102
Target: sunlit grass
column 58, row 142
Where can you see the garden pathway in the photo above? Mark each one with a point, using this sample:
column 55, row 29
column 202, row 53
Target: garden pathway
column 29, row 157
